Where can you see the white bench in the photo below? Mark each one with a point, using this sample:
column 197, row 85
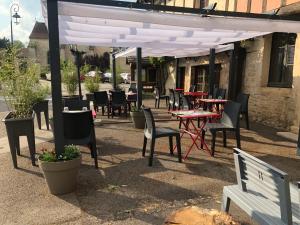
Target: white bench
column 263, row 192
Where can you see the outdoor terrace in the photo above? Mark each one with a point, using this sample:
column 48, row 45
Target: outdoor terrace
column 124, row 190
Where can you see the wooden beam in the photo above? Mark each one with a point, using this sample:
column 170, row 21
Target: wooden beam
column 212, row 58
column 139, row 77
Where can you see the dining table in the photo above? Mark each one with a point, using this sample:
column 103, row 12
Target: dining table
column 196, row 97
column 188, row 118
column 212, row 104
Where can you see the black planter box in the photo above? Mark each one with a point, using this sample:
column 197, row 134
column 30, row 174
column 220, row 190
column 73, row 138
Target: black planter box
column 16, row 128
column 40, row 107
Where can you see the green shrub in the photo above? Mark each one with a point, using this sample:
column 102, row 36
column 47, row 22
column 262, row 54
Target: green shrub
column 69, row 77
column 92, row 84
column 70, row 152
column 20, row 84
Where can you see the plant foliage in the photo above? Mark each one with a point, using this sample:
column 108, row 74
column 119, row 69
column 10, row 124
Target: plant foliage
column 102, row 62
column 69, row 77
column 70, row 152
column 92, row 84
column 20, row 84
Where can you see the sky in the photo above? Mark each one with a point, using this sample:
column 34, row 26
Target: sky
column 30, row 11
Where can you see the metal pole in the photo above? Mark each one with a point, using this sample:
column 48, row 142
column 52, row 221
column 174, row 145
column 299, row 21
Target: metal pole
column 78, row 59
column 114, row 71
column 52, row 10
column 139, row 76
column 11, row 31
column 212, row 58
column 177, row 74
column 233, row 70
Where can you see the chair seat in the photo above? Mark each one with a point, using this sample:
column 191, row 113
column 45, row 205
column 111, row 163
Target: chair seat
column 165, row 132
column 163, row 96
column 217, row 126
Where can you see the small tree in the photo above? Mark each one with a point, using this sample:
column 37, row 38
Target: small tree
column 102, row 62
column 69, row 77
column 4, row 43
column 20, row 84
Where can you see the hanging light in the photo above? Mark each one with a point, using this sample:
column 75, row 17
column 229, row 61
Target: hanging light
column 17, row 18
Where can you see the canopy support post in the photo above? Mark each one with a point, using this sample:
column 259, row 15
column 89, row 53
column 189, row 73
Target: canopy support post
column 212, row 58
column 233, row 72
column 298, row 143
column 114, row 72
column 139, row 76
column 53, row 30
column 177, row 74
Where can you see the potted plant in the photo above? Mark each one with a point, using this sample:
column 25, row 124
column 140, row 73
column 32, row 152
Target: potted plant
column 60, row 171
column 21, row 90
column 92, row 84
column 138, row 118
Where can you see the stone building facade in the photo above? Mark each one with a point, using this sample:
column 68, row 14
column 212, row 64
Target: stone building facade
column 275, row 106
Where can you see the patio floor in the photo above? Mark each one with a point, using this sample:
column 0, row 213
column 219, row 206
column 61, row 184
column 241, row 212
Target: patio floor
column 125, row 190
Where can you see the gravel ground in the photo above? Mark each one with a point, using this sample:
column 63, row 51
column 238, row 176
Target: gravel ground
column 124, row 190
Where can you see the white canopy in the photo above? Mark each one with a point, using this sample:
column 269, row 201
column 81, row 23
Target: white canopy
column 157, row 32
column 178, row 53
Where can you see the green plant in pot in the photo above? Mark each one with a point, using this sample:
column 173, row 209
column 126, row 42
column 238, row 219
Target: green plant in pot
column 60, row 171
column 21, row 89
column 92, row 84
column 138, row 117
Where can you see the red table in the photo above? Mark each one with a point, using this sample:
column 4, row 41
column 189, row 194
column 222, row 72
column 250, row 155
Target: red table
column 187, row 117
column 196, row 94
column 196, row 97
column 216, row 102
column 178, row 89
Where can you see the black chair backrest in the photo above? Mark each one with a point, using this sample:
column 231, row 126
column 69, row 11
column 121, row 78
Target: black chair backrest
column 134, row 90
column 77, row 125
column 231, row 114
column 192, row 88
column 177, row 98
column 133, row 85
column 132, row 97
column 100, row 98
column 215, row 93
column 156, row 92
column 150, row 124
column 186, row 102
column 171, row 96
column 221, row 93
column 118, row 97
column 243, row 99
column 76, row 104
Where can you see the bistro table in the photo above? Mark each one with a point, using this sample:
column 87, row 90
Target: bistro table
column 196, row 97
column 187, row 117
column 179, row 89
column 212, row 102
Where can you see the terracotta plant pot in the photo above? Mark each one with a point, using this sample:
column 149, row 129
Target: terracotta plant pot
column 16, row 128
column 61, row 176
column 138, row 119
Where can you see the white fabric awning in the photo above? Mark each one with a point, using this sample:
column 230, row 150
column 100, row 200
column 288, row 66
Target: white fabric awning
column 178, row 53
column 95, row 25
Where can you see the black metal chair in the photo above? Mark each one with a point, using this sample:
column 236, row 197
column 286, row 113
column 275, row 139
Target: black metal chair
column 131, row 99
column 158, row 97
column 76, row 104
column 40, row 107
column 186, row 103
column 79, row 130
column 192, row 88
column 221, row 93
column 177, row 100
column 118, row 101
column 101, row 100
column 243, row 99
column 228, row 122
column 132, row 89
column 171, row 99
column 152, row 133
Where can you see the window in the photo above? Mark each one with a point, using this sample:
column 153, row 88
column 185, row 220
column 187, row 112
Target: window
column 199, row 4
column 200, row 77
column 282, row 60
